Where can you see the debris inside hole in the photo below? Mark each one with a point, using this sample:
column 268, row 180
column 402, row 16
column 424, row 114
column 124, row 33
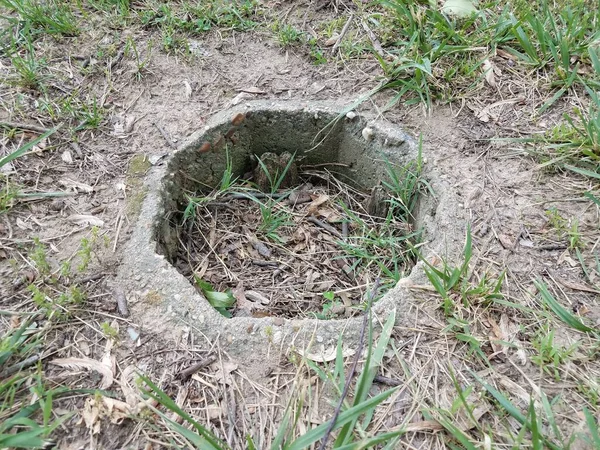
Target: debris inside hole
column 307, row 251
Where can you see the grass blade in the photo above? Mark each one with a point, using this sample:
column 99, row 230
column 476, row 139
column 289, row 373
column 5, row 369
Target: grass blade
column 211, row 441
column 24, row 149
column 584, row 172
column 560, row 310
column 352, row 414
column 592, row 425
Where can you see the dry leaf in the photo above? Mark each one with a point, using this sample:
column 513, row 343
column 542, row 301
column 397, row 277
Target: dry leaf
column 252, row 90
column 332, row 40
column 314, row 205
column 240, row 98
column 488, row 70
column 325, row 355
column 66, row 157
column 91, row 415
column 23, row 225
column 254, row 296
column 76, row 186
column 188, row 89
column 224, row 370
column 87, row 363
column 214, row 411
column 85, row 219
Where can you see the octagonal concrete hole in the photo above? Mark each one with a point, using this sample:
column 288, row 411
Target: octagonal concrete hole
column 350, row 148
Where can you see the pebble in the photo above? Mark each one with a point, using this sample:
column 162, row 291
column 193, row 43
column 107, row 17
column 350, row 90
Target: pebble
column 368, row 133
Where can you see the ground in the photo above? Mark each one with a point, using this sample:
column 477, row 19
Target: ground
column 504, row 354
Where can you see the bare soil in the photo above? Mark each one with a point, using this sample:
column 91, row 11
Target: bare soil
column 506, row 194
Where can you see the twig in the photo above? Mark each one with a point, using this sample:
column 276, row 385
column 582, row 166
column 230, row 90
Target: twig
column 165, row 135
column 376, row 44
column 387, row 381
column 345, row 229
column 361, row 344
column 186, row 373
column 121, row 302
column 342, row 34
column 19, row 366
column 255, row 195
column 24, row 126
column 260, row 263
column 325, row 226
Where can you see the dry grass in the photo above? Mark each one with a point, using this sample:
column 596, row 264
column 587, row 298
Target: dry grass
column 474, row 369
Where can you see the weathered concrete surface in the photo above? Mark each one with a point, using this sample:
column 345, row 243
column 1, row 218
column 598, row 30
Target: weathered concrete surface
column 163, row 300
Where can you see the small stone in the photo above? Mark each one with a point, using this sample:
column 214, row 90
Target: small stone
column 368, row 133
column 133, row 334
column 351, row 115
column 205, row 147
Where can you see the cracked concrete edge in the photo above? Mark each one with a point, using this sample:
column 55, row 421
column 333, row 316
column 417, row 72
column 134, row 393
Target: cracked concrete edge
column 164, row 302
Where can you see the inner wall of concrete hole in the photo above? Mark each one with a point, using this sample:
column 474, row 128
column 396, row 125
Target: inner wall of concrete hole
column 163, row 301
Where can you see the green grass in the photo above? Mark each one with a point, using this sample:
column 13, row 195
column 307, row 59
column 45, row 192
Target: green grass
column 54, row 17
column 17, row 428
column 30, row 69
column 287, row 35
column 197, row 18
column 352, row 424
column 9, row 191
column 439, row 57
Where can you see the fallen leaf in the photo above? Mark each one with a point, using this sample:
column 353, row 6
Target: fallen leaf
column 332, row 40
column 252, row 90
column 188, row 88
column 84, row 219
column 488, row 70
column 87, row 363
column 254, row 296
column 214, row 411
column 91, row 415
column 325, row 355
column 76, row 186
column 224, row 371
column 66, row 157
column 314, row 205
column 240, row 98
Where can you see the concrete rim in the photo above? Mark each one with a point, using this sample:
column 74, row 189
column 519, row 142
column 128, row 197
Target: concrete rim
column 166, row 298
